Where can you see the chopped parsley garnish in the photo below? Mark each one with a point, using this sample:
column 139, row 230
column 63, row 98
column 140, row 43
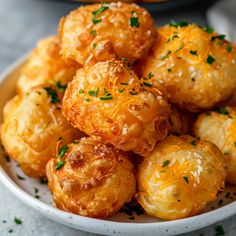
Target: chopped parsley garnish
column 220, row 37
column 193, row 52
column 172, row 38
column 81, row 91
column 226, row 153
column 61, row 87
column 124, row 83
column 62, row 151
column 94, row 45
column 186, row 179
column 210, row 59
column 7, row 158
column 194, row 142
column 150, row 75
column 165, row 56
column 18, row 221
column 169, row 70
column 93, row 93
column 178, row 24
column 98, row 12
column 10, row 231
column 93, row 32
column 165, row 163
column 20, row 177
column 133, row 21
column 43, row 180
column 106, row 98
column 235, row 144
column 181, row 47
column 53, row 94
column 229, row 48
column 147, row 84
column 87, row 99
column 59, row 165
column 208, row 29
column 222, row 110
column 36, row 190
column 219, row 230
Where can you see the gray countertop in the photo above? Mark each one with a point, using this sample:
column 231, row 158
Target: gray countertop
column 22, row 23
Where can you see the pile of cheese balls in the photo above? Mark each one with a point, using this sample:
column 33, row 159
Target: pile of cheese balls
column 113, row 109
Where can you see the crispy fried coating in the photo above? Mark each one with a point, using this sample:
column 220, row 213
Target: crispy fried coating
column 101, row 32
column 33, row 124
column 180, row 176
column 109, row 101
column 45, row 65
column 196, row 68
column 219, row 127
column 94, row 180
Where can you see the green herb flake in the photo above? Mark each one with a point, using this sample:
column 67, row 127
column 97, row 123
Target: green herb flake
column 98, row 12
column 178, row 24
column 94, row 45
column 165, row 56
column 219, row 230
column 165, row 163
column 210, row 60
column 150, row 75
column 93, row 32
column 208, row 29
column 124, row 83
column 186, row 179
column 59, row 165
column 147, row 84
column 222, row 110
column 235, row 144
column 106, row 98
column 10, row 231
column 169, row 70
column 229, row 48
column 62, row 151
column 18, row 221
column 133, row 21
column 226, row 153
column 220, row 37
column 87, row 100
column 81, row 91
column 193, row 52
column 172, row 38
column 194, row 142
column 53, row 94
column 61, row 87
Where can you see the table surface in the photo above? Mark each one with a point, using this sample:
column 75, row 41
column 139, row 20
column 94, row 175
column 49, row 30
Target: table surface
column 22, row 23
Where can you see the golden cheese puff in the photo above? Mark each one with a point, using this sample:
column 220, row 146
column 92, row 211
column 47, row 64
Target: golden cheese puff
column 33, row 124
column 90, row 178
column 179, row 177
column 196, row 68
column 219, row 127
column 108, row 100
column 45, row 65
column 101, row 32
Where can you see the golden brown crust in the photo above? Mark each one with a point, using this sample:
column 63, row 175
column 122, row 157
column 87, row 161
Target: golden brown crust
column 45, row 65
column 219, row 127
column 180, row 176
column 32, row 127
column 128, row 116
column 111, row 38
column 197, row 69
column 95, row 181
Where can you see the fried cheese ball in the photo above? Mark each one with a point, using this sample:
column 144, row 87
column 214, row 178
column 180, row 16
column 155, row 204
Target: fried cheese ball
column 179, row 177
column 33, row 124
column 196, row 66
column 45, row 65
column 219, row 127
column 91, row 178
column 106, row 100
column 101, row 32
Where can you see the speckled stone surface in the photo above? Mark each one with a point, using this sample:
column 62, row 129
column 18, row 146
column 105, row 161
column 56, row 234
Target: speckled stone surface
column 22, row 23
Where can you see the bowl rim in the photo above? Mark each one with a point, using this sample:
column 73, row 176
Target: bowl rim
column 110, row 227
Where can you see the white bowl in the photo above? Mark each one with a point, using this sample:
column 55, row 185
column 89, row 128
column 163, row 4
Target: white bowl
column 120, row 223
